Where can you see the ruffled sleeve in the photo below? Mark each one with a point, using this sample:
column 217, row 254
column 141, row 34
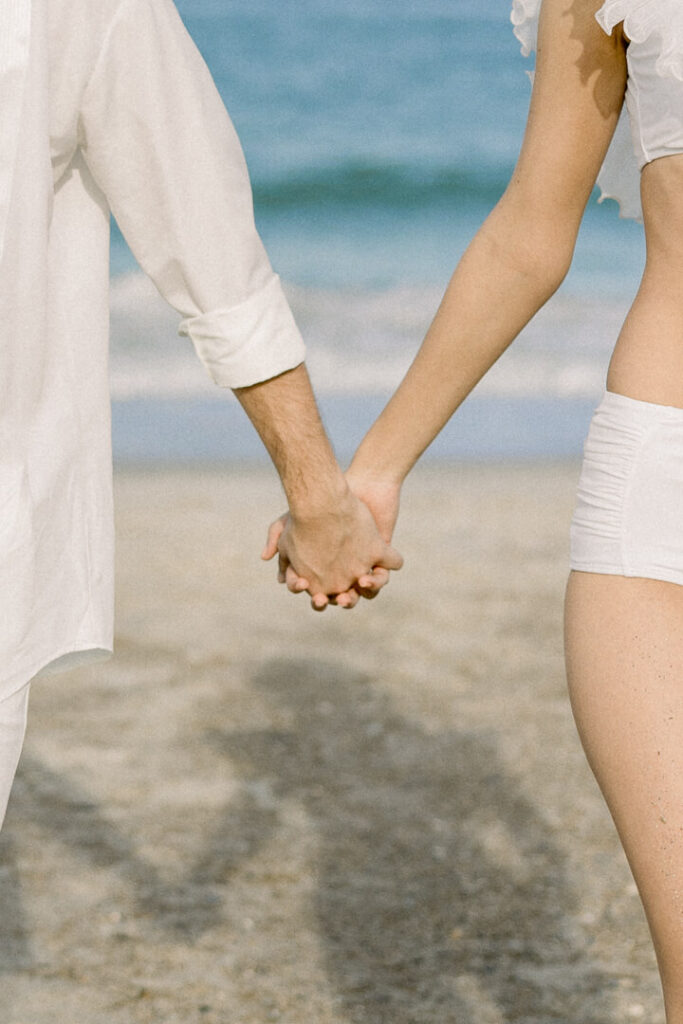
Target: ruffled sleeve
column 524, row 20
column 644, row 19
column 619, row 177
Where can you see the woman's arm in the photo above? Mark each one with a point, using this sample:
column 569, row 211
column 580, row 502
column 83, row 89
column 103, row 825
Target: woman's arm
column 520, row 255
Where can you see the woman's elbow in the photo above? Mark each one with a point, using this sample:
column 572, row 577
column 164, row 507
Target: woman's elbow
column 543, row 235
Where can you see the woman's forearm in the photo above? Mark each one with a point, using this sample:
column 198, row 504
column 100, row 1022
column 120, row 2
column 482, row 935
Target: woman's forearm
column 522, row 252
column 512, row 267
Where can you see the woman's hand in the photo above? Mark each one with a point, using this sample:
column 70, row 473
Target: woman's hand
column 382, row 497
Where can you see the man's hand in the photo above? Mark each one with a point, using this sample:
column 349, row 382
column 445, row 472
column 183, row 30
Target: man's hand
column 334, row 554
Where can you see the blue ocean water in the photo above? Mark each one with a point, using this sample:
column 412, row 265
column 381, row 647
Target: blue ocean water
column 378, row 137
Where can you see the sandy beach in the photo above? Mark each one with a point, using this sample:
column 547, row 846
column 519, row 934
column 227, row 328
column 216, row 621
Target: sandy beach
column 254, row 813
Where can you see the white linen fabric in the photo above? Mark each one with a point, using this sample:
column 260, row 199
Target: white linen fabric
column 629, row 513
column 15, row 36
column 651, row 124
column 117, row 112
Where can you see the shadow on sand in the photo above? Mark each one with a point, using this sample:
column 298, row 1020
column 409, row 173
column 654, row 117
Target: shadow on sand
column 442, row 895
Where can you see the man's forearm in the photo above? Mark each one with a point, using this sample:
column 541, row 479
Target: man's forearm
column 284, row 412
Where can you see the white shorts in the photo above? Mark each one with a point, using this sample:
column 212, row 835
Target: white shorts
column 629, row 513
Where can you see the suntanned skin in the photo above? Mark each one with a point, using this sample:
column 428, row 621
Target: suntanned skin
column 624, row 637
column 330, row 534
column 524, row 249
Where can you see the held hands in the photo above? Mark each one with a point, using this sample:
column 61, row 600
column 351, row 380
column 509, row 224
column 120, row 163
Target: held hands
column 342, row 553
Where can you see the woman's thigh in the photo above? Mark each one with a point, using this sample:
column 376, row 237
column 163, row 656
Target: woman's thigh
column 624, row 644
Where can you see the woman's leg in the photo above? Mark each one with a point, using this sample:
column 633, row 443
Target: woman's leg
column 624, row 637
column 625, row 667
column 12, row 729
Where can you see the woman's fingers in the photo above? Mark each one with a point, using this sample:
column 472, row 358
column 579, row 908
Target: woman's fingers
column 282, row 566
column 367, row 586
column 284, row 540
column 295, row 584
column 391, row 559
column 371, row 583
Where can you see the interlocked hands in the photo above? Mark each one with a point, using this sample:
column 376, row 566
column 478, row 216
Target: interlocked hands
column 344, row 553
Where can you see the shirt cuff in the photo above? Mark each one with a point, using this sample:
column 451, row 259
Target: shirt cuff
column 249, row 343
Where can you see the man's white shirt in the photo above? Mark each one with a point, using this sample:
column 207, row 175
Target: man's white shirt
column 115, row 110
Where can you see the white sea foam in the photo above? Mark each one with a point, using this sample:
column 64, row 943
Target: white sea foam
column 363, row 342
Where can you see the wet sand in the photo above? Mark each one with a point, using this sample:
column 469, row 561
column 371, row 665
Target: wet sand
column 255, row 813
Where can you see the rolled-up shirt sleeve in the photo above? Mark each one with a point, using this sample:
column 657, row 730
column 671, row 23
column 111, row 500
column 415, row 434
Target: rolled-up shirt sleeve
column 161, row 146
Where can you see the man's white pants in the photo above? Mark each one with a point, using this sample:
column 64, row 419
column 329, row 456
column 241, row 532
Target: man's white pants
column 13, row 712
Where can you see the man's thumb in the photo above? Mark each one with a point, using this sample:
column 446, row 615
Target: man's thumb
column 274, row 533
